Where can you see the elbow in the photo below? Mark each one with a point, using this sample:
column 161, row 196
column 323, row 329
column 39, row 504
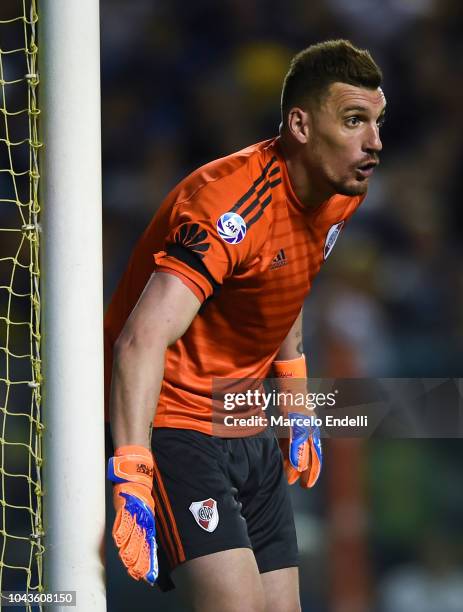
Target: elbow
column 123, row 344
column 137, row 342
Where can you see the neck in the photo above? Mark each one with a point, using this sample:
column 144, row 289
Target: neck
column 306, row 189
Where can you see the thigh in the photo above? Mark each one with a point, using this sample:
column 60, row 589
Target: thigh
column 281, row 590
column 196, row 512
column 228, row 581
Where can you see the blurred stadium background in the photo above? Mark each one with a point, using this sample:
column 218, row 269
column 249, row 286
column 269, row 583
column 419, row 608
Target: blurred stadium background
column 184, row 83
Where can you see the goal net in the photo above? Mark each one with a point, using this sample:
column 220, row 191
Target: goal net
column 21, row 531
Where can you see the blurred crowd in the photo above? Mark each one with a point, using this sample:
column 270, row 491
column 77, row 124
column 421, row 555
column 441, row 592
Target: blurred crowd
column 186, row 82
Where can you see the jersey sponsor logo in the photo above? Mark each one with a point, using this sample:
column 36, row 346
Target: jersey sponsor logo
column 205, row 513
column 193, row 238
column 279, row 260
column 231, row 227
column 331, row 237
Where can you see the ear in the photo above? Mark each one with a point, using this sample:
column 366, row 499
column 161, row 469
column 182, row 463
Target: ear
column 298, row 124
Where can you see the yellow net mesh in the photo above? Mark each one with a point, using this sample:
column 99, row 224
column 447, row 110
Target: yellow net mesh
column 21, row 528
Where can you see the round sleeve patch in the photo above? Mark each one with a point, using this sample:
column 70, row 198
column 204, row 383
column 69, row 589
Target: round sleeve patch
column 231, row 228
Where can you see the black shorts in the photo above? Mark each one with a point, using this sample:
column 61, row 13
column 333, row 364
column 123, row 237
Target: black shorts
column 215, row 494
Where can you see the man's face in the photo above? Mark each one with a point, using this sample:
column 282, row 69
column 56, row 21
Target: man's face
column 344, row 144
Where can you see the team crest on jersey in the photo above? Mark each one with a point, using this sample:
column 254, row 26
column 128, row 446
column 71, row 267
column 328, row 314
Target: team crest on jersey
column 331, row 237
column 193, row 238
column 231, row 228
column 205, row 513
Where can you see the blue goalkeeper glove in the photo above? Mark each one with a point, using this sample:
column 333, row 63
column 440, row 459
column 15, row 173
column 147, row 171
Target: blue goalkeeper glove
column 302, row 453
column 134, row 531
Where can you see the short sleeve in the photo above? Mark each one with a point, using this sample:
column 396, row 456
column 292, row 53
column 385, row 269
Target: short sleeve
column 206, row 243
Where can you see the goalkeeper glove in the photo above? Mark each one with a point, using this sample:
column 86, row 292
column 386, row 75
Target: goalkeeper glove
column 134, row 531
column 302, row 453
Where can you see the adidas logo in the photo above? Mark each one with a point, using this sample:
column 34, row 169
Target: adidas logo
column 279, row 260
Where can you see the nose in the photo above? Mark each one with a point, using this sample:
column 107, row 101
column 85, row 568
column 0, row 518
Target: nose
column 373, row 141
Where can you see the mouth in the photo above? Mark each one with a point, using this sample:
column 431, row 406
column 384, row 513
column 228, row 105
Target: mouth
column 366, row 169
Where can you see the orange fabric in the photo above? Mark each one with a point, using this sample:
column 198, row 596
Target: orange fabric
column 128, row 536
column 134, row 463
column 309, row 464
column 186, row 281
column 133, row 449
column 130, row 540
column 291, row 375
column 290, row 368
column 310, row 476
column 255, row 287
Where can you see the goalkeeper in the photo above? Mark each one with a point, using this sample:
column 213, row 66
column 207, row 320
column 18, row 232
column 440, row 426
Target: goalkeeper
column 214, row 290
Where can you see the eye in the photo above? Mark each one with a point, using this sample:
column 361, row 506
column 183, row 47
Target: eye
column 381, row 121
column 353, row 121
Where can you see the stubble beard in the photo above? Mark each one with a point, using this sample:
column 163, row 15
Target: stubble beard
column 354, row 189
column 348, row 186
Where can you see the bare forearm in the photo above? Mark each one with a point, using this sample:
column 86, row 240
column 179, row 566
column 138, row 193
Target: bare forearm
column 161, row 316
column 289, row 366
column 138, row 371
column 291, row 347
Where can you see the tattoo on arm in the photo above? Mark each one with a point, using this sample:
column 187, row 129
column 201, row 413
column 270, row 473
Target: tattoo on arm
column 298, row 336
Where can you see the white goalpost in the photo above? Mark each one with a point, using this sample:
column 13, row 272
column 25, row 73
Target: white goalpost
column 74, row 478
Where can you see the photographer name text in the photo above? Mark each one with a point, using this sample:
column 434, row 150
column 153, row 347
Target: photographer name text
column 327, row 420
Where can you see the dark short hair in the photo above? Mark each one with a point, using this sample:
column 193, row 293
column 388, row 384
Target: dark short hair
column 314, row 69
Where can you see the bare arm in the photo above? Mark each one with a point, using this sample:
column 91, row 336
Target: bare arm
column 163, row 313
column 291, row 347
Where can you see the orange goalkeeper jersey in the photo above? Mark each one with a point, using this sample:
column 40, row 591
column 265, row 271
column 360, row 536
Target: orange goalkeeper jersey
column 236, row 234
